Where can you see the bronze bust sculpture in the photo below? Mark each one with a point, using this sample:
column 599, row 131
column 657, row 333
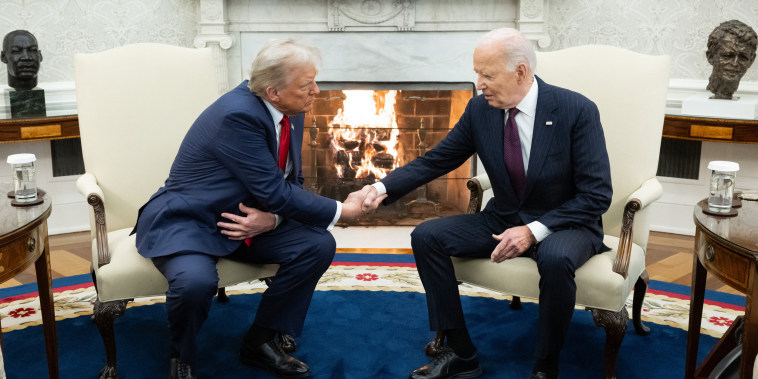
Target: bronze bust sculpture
column 22, row 55
column 731, row 51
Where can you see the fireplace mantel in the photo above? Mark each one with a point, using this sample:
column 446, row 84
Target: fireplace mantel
column 223, row 24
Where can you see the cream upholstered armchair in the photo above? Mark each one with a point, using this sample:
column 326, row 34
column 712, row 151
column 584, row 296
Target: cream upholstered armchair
column 630, row 92
column 135, row 103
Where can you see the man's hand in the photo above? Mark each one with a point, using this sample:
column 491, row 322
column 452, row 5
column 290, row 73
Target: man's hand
column 254, row 223
column 352, row 206
column 372, row 200
column 513, row 242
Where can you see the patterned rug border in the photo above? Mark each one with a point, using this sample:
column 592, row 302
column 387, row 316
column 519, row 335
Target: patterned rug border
column 660, row 307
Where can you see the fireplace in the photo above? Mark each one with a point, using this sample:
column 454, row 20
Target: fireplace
column 358, row 132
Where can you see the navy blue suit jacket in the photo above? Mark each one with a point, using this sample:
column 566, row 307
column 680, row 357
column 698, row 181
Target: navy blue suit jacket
column 228, row 156
column 568, row 183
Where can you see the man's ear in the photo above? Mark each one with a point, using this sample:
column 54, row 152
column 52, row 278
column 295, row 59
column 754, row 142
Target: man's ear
column 521, row 72
column 39, row 52
column 4, row 59
column 272, row 94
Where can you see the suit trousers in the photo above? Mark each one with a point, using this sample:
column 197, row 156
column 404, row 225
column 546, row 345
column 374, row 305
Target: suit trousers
column 557, row 256
column 303, row 252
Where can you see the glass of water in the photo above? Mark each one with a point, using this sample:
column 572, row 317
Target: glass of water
column 24, row 181
column 723, row 174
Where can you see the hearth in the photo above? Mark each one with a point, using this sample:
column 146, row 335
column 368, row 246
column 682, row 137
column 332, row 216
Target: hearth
column 358, row 132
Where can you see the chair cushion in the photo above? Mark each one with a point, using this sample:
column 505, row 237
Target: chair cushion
column 597, row 285
column 130, row 275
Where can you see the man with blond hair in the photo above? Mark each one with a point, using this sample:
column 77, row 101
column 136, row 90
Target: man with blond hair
column 235, row 189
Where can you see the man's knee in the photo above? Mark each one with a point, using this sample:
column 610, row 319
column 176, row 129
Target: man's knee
column 190, row 287
column 554, row 263
column 424, row 234
column 323, row 248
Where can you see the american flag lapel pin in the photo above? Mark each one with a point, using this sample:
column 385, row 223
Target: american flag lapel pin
column 549, row 123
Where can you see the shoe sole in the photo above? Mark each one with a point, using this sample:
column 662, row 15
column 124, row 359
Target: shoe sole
column 254, row 363
column 468, row 374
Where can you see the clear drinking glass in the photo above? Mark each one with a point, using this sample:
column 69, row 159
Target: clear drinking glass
column 24, row 181
column 723, row 174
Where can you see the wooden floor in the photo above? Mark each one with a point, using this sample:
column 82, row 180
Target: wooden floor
column 669, row 259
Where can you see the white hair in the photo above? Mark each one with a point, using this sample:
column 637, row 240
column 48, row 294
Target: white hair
column 273, row 64
column 515, row 47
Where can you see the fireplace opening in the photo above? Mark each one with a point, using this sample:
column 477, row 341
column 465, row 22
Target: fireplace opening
column 358, row 132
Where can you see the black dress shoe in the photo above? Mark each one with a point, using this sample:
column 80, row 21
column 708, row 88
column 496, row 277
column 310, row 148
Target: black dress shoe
column 181, row 370
column 447, row 364
column 271, row 357
column 542, row 375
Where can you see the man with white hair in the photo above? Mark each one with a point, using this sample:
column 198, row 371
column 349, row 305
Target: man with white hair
column 235, row 189
column 544, row 151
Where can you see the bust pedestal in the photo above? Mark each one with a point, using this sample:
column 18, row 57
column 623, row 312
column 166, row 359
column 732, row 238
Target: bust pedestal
column 700, row 104
column 27, row 103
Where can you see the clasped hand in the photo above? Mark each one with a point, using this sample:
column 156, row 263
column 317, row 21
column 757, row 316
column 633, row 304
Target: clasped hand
column 359, row 202
column 513, row 242
column 252, row 224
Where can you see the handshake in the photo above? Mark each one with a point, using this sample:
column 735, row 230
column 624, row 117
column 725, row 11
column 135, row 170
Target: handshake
column 359, row 202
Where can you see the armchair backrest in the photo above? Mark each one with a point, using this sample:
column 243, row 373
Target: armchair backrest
column 629, row 89
column 136, row 102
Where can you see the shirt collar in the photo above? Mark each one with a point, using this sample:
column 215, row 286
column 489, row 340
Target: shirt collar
column 275, row 113
column 528, row 104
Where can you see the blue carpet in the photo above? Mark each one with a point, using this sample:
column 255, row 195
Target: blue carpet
column 349, row 334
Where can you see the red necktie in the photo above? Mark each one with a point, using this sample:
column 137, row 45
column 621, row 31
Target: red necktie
column 284, row 147
column 284, row 142
column 514, row 162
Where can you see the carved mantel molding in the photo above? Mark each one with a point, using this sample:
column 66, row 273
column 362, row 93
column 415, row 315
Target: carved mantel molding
column 400, row 14
column 532, row 21
column 212, row 32
column 529, row 16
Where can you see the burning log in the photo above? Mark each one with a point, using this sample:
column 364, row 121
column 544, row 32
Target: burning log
column 383, row 160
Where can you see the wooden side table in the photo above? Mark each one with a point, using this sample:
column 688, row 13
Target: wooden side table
column 726, row 247
column 710, row 129
column 39, row 128
column 23, row 241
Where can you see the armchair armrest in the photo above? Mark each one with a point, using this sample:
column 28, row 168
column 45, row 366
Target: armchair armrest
column 477, row 185
column 650, row 191
column 87, row 186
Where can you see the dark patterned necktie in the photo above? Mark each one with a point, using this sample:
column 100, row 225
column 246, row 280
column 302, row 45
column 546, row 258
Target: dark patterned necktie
column 512, row 152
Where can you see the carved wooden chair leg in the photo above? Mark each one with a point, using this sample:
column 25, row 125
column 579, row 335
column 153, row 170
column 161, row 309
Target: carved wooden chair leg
column 640, row 288
column 103, row 316
column 287, row 343
column 614, row 324
column 435, row 346
column 221, row 295
column 515, row 303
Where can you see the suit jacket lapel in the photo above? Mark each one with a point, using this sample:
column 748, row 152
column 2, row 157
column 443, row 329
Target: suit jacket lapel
column 296, row 142
column 271, row 129
column 542, row 137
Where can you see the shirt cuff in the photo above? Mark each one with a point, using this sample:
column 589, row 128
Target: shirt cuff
column 380, row 188
column 278, row 220
column 539, row 231
column 336, row 216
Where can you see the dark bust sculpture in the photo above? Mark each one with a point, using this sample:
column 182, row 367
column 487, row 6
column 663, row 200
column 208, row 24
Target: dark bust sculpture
column 23, row 57
column 731, row 51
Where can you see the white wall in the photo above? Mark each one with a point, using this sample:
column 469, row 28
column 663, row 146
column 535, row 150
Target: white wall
column 676, row 28
column 64, row 28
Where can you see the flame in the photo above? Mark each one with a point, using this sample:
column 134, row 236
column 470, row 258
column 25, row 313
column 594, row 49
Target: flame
column 365, row 126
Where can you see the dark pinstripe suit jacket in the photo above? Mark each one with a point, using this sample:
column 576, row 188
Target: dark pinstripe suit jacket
column 228, row 156
column 568, row 183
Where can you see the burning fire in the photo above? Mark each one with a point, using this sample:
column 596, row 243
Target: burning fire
column 364, row 135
